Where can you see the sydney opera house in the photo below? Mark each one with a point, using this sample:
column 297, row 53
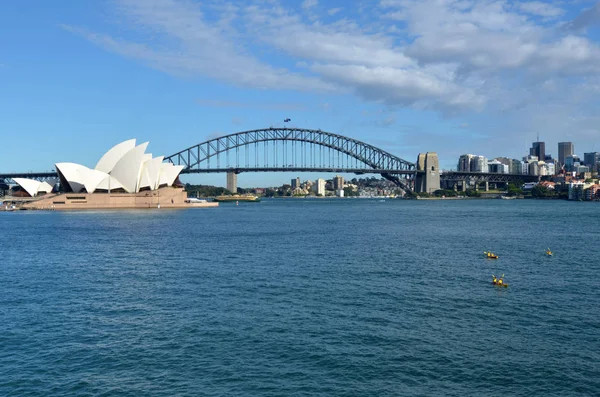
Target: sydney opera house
column 125, row 177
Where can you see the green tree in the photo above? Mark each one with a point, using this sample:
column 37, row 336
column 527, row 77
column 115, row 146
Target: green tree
column 349, row 192
column 472, row 193
column 540, row 191
column 513, row 190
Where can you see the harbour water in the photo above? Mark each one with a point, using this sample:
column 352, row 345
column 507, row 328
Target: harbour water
column 303, row 298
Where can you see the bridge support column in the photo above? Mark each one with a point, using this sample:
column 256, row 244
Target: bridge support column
column 428, row 180
column 487, row 186
column 232, row 182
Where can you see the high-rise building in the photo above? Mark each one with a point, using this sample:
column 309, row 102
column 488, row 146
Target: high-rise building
column 319, row 187
column 591, row 160
column 496, row 167
column 338, row 182
column 572, row 162
column 232, row 182
column 538, row 149
column 517, row 167
column 295, row 183
column 464, row 162
column 479, row 164
column 565, row 149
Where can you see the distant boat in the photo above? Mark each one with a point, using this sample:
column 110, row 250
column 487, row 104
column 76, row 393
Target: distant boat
column 508, row 197
column 237, row 198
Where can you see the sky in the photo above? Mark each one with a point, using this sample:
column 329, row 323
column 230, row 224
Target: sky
column 408, row 76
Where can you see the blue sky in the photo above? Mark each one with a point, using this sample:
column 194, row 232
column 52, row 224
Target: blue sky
column 451, row 76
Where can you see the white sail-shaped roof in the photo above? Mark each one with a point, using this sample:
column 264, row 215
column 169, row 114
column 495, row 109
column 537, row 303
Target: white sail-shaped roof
column 112, row 157
column 109, row 183
column 169, row 173
column 150, row 173
column 31, row 186
column 47, row 186
column 79, row 176
column 74, row 174
column 92, row 179
column 127, row 169
column 153, row 168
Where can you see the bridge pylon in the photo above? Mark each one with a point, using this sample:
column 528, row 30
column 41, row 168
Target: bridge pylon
column 428, row 173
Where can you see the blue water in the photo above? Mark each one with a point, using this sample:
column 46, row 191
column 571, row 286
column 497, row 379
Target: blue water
column 302, row 298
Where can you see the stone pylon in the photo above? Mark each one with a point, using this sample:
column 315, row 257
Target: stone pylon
column 428, row 173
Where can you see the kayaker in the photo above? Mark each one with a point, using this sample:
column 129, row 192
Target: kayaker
column 500, row 281
column 495, row 280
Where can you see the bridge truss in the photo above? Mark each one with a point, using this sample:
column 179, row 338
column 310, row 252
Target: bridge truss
column 293, row 149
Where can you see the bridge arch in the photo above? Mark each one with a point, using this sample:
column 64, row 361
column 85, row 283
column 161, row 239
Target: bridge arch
column 372, row 159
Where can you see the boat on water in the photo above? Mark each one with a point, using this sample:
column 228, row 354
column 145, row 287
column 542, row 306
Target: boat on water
column 490, row 255
column 548, row 252
column 237, row 198
column 499, row 281
column 508, row 197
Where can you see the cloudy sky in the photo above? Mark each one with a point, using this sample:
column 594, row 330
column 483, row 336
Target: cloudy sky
column 451, row 76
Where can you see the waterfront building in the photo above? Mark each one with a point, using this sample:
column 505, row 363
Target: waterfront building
column 295, row 183
column 550, row 169
column 582, row 169
column 533, row 168
column 319, row 187
column 232, row 182
column 517, row 167
column 497, row 167
column 572, row 162
column 124, row 168
column 479, row 164
column 125, row 177
column 565, row 149
column 530, row 158
column 577, row 190
column 592, row 192
column 591, row 160
column 464, row 163
column 538, row 149
column 506, row 161
column 338, row 182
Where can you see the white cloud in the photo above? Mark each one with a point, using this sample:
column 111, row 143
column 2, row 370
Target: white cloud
column 309, row 3
column 438, row 54
column 541, row 9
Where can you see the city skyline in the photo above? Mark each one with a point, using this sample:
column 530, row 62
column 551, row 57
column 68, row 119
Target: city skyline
column 410, row 77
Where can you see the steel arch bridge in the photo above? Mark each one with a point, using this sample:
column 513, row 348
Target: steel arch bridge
column 293, row 149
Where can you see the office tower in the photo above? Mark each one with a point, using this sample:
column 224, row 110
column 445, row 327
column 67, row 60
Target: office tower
column 464, row 162
column 591, row 160
column 338, row 182
column 295, row 183
column 565, row 149
column 538, row 149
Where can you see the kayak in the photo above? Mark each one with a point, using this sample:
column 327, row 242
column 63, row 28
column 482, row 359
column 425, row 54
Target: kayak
column 492, row 257
column 500, row 285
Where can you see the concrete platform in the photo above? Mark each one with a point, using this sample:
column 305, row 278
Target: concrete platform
column 166, row 197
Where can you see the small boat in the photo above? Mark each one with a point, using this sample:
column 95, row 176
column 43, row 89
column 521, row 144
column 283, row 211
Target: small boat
column 499, row 282
column 237, row 198
column 548, row 252
column 490, row 255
